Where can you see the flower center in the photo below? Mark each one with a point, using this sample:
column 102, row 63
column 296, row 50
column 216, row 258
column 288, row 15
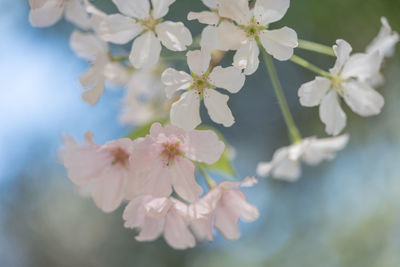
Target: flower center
column 337, row 84
column 149, row 23
column 171, row 150
column 119, row 156
column 201, row 83
column 254, row 28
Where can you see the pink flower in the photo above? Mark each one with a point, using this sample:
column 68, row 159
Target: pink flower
column 156, row 216
column 225, row 203
column 99, row 171
column 162, row 160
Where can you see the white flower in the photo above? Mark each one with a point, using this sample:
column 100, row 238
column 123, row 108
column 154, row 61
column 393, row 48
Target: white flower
column 349, row 80
column 46, row 13
column 145, row 99
column 286, row 162
column 91, row 48
column 252, row 26
column 138, row 19
column 185, row 113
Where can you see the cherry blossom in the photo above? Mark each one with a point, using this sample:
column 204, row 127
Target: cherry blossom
column 45, row 13
column 185, row 113
column 160, row 216
column 162, row 160
column 286, row 162
column 139, row 19
column 348, row 80
column 252, row 27
column 222, row 207
column 101, row 172
column 88, row 46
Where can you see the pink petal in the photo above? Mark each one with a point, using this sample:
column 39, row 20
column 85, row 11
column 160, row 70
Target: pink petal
column 176, row 232
column 182, row 175
column 204, row 146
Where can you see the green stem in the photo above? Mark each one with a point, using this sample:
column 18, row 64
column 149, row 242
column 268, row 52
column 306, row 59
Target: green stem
column 304, row 63
column 210, row 182
column 294, row 133
column 315, row 47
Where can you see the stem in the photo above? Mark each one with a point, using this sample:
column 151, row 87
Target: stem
column 294, row 133
column 315, row 47
column 210, row 182
column 304, row 63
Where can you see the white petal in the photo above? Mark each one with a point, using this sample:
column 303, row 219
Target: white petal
column 145, row 51
column 205, row 17
column 204, row 146
column 281, row 166
column 237, row 10
column 175, row 80
column 342, row 51
column 217, row 107
column 210, row 39
column 324, row 149
column 247, row 57
column 268, row 11
column 311, row 93
column 93, row 95
column 231, row 36
column 362, row 66
column 87, row 45
column 176, row 232
column 47, row 15
column 75, row 12
column 229, row 78
column 139, row 9
column 183, row 181
column 160, row 7
column 211, row 4
column 331, row 113
column 362, row 99
column 264, row 169
column 185, row 113
column 119, row 29
column 37, row 3
column 386, row 40
column 174, row 35
column 198, row 61
column 279, row 43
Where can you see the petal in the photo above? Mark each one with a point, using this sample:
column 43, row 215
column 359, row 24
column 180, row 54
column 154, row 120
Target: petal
column 247, row 58
column 285, row 168
column 211, row 4
column 139, row 9
column 237, row 10
column 36, row 3
column 175, row 80
column 362, row 99
column 362, row 66
column 226, row 221
column 176, row 232
column 145, row 51
column 210, row 39
column 229, row 78
column 158, row 207
column 134, row 214
column 174, row 35
column 342, row 51
column 108, row 189
column 264, row 169
column 119, row 29
column 151, row 229
column 217, row 107
column 198, row 61
column 205, row 17
column 324, row 149
column 231, row 36
column 237, row 200
column 331, row 113
column 93, row 95
column 268, row 11
column 87, row 45
column 279, row 43
column 160, row 7
column 182, row 174
column 311, row 93
column 202, row 228
column 47, row 15
column 386, row 40
column 75, row 12
column 204, row 146
column 185, row 113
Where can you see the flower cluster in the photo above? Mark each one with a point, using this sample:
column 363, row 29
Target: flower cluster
column 154, row 170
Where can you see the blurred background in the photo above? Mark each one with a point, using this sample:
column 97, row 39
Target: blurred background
column 341, row 213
